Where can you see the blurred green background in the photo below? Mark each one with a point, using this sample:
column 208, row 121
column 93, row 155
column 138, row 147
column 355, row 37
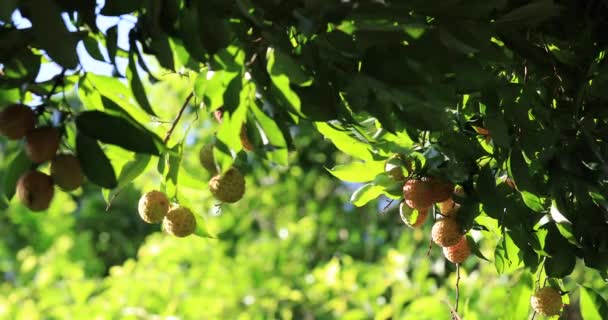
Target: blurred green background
column 293, row 248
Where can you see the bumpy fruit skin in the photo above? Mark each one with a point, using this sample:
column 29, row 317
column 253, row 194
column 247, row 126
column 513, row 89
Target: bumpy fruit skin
column 66, row 172
column 459, row 252
column 16, row 120
column 407, row 215
column 153, row 206
column 206, row 159
column 446, row 232
column 441, row 190
column 179, row 222
column 547, row 301
column 418, row 194
column 228, row 187
column 35, row 190
column 41, row 144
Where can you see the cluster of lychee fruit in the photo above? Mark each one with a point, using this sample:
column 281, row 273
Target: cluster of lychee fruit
column 227, row 187
column 35, row 188
column 154, row 207
column 547, row 301
column 420, row 195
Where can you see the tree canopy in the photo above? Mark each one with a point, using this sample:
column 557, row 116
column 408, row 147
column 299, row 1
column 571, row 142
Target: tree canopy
column 504, row 99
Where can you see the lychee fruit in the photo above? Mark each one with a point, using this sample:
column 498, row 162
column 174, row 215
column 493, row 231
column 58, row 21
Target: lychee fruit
column 179, row 222
column 413, row 218
column 42, row 144
column 446, row 232
column 35, row 190
column 547, row 301
column 153, row 206
column 247, row 145
column 16, row 120
column 459, row 252
column 441, row 190
column 418, row 193
column 206, row 158
column 448, row 207
column 228, row 187
column 66, row 172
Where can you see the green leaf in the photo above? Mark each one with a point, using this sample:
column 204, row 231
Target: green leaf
column 593, row 305
column 168, row 166
column 112, row 43
column 281, row 64
column 506, row 255
column 280, row 81
column 475, row 248
column 120, row 7
column 532, row 201
column 188, row 23
column 530, row 14
column 119, row 93
column 345, row 142
column 518, row 170
column 211, row 85
column 7, row 7
column 129, row 172
column 365, row 194
column 136, row 85
column 117, row 131
column 46, row 20
column 19, row 164
column 92, row 47
column 499, row 132
column 200, row 230
column 95, row 164
column 277, row 143
column 358, row 171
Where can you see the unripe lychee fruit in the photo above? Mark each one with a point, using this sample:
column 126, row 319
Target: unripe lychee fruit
column 16, row 120
column 418, row 193
column 441, row 190
column 446, row 232
column 179, row 222
column 459, row 252
column 66, row 172
column 413, row 218
column 41, row 144
column 35, row 190
column 547, row 301
column 228, row 187
column 153, row 206
column 206, row 158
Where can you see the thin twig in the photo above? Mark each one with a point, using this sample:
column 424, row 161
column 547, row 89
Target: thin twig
column 179, row 115
column 533, row 315
column 457, row 285
column 57, row 79
column 387, row 205
column 428, row 251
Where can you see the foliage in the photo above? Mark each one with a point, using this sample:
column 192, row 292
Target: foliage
column 503, row 98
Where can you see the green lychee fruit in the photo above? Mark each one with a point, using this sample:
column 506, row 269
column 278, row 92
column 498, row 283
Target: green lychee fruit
column 153, row 206
column 179, row 222
column 206, row 159
column 547, row 301
column 228, row 187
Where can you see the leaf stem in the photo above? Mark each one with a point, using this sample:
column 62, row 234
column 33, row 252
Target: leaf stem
column 179, row 115
column 457, row 285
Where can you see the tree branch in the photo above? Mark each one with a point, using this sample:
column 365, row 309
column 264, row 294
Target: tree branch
column 457, row 285
column 179, row 115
